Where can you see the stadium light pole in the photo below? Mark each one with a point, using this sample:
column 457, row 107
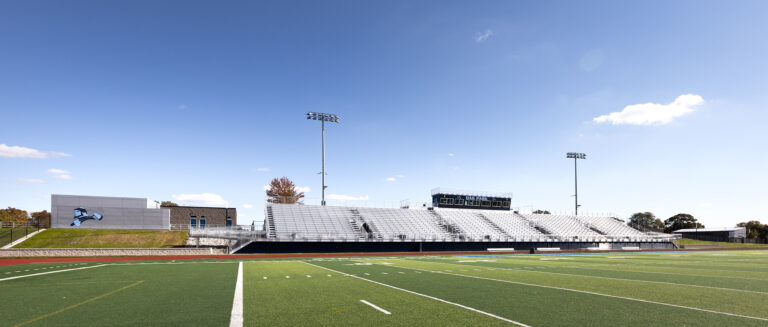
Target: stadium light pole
column 323, row 117
column 576, row 156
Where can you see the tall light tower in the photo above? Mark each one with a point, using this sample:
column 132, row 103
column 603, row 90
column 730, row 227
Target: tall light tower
column 576, row 156
column 323, row 117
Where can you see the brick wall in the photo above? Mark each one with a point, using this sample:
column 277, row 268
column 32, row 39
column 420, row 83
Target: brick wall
column 214, row 217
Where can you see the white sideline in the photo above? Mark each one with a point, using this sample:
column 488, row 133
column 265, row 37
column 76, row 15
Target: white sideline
column 51, row 272
column 376, row 307
column 14, row 243
column 236, row 319
column 592, row 293
column 424, row 295
column 603, row 277
column 646, row 272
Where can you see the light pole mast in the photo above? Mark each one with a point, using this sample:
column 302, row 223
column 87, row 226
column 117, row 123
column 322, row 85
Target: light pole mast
column 576, row 156
column 323, row 117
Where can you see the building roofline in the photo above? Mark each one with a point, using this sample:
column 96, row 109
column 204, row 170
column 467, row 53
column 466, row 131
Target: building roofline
column 167, row 207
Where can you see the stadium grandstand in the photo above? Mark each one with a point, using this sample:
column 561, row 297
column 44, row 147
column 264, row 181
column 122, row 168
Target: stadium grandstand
column 447, row 227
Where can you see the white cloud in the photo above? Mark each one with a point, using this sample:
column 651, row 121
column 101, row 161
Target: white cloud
column 29, row 181
column 59, row 154
column 59, row 173
column 652, row 113
column 263, row 170
column 391, row 179
column 451, row 155
column 341, row 197
column 480, row 37
column 247, row 206
column 23, row 152
column 202, row 198
column 400, row 176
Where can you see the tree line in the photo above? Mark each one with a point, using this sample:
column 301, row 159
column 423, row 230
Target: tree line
column 18, row 215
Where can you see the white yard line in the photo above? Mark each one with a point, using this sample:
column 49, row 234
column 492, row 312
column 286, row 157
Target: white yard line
column 424, row 295
column 603, row 277
column 592, row 293
column 236, row 319
column 376, row 307
column 593, row 267
column 51, row 272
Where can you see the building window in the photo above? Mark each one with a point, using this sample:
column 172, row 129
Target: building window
column 229, row 222
column 486, row 203
column 443, row 201
column 202, row 222
column 450, row 201
column 193, row 221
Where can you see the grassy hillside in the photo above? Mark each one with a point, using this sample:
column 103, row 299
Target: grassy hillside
column 8, row 235
column 84, row 238
column 686, row 241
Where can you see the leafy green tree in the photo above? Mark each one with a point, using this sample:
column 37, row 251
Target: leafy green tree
column 645, row 221
column 541, row 212
column 754, row 229
column 283, row 190
column 681, row 221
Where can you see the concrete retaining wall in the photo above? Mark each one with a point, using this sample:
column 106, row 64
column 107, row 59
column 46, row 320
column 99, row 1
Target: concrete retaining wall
column 107, row 252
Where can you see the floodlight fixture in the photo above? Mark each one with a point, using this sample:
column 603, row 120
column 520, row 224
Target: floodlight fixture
column 576, row 156
column 323, row 117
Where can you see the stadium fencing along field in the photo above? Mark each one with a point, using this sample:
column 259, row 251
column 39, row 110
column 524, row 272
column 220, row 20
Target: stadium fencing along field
column 717, row 288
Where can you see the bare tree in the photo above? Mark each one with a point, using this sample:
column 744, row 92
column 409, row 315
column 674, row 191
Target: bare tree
column 283, row 190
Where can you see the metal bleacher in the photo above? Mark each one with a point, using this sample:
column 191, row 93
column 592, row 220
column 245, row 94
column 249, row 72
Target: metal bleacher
column 561, row 225
column 403, row 223
column 312, row 222
column 324, row 223
column 472, row 224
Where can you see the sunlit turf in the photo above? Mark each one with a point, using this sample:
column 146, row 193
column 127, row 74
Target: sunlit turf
column 716, row 288
column 686, row 241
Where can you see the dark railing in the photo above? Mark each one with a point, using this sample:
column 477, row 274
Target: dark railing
column 11, row 231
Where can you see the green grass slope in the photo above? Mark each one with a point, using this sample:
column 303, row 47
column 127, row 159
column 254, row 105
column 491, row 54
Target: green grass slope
column 84, row 238
column 686, row 241
column 8, row 235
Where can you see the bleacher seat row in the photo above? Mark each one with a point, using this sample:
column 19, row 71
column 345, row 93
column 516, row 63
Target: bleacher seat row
column 311, row 222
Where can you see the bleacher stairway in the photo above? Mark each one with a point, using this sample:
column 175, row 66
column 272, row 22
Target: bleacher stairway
column 493, row 225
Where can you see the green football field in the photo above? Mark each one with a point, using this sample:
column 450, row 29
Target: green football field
column 719, row 288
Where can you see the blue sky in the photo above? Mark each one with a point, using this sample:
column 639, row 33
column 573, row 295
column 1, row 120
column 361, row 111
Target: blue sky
column 204, row 102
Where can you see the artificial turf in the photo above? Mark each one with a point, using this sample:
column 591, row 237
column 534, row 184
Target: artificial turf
column 718, row 288
column 686, row 241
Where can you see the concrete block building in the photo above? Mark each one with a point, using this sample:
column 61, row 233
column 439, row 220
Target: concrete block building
column 101, row 212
